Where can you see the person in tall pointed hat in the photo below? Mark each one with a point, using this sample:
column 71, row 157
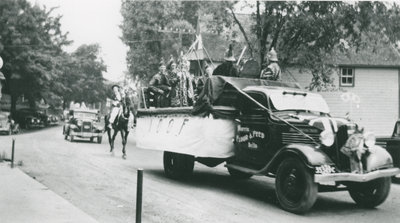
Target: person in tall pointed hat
column 272, row 71
column 227, row 68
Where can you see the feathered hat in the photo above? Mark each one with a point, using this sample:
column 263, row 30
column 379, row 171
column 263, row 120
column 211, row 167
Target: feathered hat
column 162, row 63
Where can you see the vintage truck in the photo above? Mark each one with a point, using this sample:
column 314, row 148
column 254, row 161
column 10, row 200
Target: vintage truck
column 274, row 129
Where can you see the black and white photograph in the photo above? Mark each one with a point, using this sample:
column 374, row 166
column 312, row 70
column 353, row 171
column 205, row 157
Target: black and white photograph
column 117, row 111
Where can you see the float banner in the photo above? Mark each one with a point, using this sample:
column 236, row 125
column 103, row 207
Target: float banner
column 186, row 134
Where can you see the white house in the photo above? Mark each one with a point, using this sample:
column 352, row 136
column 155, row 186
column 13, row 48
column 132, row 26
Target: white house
column 367, row 94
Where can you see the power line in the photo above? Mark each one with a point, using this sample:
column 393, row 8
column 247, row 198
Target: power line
column 153, row 40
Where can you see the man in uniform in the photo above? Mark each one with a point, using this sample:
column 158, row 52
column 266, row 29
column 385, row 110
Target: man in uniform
column 160, row 87
column 272, row 71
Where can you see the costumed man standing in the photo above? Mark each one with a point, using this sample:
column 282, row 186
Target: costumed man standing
column 201, row 82
column 272, row 71
column 227, row 68
column 174, row 80
column 115, row 104
column 187, row 89
column 160, row 87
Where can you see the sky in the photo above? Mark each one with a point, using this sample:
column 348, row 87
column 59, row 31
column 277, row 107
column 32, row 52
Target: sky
column 93, row 21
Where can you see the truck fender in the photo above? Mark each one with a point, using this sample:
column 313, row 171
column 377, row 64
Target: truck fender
column 310, row 155
column 379, row 158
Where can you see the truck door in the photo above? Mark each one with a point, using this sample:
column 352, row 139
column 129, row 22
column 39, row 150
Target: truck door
column 251, row 131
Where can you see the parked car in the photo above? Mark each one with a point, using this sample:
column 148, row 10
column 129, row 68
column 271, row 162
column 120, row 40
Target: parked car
column 28, row 118
column 83, row 123
column 392, row 145
column 7, row 125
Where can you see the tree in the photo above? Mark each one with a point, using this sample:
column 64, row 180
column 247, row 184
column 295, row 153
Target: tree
column 157, row 29
column 31, row 41
column 309, row 34
column 82, row 76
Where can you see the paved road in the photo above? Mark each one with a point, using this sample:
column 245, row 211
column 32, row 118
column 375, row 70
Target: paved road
column 104, row 186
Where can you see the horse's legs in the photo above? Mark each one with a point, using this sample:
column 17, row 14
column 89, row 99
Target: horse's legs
column 109, row 137
column 124, row 135
column 113, row 140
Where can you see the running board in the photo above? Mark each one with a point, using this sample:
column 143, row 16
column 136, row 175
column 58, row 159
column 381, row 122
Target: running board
column 244, row 169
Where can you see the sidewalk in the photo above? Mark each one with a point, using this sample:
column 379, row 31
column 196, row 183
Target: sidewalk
column 22, row 199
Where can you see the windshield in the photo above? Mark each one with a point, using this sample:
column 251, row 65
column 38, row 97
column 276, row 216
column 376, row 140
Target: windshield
column 285, row 100
column 85, row 115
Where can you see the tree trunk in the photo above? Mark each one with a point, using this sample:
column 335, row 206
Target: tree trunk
column 243, row 32
column 261, row 59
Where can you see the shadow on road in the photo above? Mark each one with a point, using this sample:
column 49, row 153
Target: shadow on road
column 260, row 189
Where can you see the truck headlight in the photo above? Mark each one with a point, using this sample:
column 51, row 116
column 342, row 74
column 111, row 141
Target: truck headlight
column 327, row 138
column 79, row 123
column 369, row 139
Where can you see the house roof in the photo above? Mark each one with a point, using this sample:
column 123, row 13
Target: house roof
column 384, row 57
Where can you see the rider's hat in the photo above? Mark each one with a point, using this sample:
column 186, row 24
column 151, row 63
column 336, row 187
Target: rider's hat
column 272, row 55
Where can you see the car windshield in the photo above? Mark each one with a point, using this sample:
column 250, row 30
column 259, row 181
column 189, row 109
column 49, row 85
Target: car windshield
column 85, row 115
column 298, row 101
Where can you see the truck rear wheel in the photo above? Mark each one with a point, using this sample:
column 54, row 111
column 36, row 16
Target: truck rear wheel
column 370, row 194
column 295, row 187
column 178, row 166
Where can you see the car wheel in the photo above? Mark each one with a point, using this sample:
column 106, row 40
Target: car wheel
column 370, row 194
column 178, row 166
column 295, row 188
column 91, row 139
column 71, row 138
column 99, row 139
column 66, row 133
column 16, row 129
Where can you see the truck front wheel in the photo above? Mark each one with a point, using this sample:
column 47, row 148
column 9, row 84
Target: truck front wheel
column 178, row 166
column 370, row 194
column 295, row 188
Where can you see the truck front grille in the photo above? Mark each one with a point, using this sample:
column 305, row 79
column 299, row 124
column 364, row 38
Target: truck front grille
column 291, row 137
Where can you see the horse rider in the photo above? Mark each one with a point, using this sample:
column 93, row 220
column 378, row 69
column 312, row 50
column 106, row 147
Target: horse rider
column 115, row 104
column 272, row 71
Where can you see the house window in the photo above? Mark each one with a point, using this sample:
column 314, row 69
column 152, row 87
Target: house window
column 347, row 77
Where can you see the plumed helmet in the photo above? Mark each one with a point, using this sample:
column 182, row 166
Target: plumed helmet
column 272, row 55
column 162, row 63
column 171, row 62
column 229, row 54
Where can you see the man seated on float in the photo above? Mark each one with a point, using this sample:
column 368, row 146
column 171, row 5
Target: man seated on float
column 115, row 104
column 161, row 87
